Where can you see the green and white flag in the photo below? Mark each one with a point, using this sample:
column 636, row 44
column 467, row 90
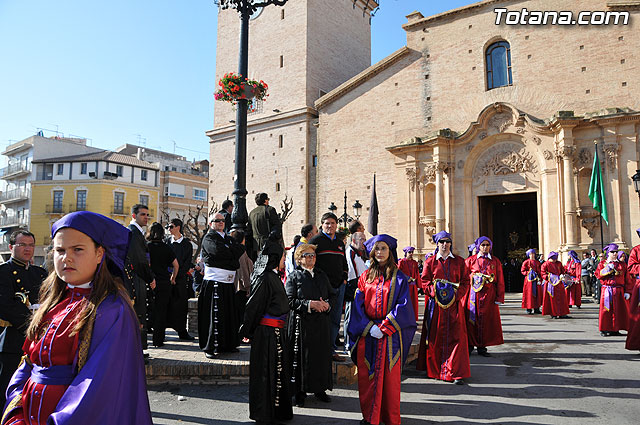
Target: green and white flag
column 596, row 189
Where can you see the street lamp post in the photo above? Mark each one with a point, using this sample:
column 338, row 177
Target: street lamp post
column 636, row 182
column 245, row 9
column 345, row 218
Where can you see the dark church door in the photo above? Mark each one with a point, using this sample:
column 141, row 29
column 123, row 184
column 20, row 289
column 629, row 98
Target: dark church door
column 511, row 222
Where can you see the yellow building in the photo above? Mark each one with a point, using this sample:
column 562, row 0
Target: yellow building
column 105, row 182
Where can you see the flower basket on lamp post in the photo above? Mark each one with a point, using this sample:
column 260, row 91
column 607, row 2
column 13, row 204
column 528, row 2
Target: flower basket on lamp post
column 234, row 87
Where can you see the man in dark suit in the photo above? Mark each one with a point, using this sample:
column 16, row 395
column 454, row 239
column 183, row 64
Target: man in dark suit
column 19, row 287
column 178, row 306
column 138, row 268
column 227, row 209
column 264, row 223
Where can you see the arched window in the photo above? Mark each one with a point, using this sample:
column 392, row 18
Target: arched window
column 498, row 58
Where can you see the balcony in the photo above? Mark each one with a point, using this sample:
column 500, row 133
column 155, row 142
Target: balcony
column 14, row 221
column 14, row 170
column 55, row 209
column 15, row 195
column 77, row 207
column 120, row 210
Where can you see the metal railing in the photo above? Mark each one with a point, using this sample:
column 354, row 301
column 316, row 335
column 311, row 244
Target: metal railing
column 14, row 221
column 14, row 169
column 55, row 209
column 15, row 195
column 77, row 207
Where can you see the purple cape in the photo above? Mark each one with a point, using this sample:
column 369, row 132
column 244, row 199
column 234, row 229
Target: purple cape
column 404, row 322
column 111, row 388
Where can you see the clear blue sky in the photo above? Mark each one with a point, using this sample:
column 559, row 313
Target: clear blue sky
column 130, row 71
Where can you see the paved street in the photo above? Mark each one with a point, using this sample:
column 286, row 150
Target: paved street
column 547, row 372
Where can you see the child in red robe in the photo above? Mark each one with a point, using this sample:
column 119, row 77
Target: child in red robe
column 616, row 290
column 409, row 266
column 532, row 288
column 554, row 301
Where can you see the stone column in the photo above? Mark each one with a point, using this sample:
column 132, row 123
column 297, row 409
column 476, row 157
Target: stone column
column 570, row 214
column 441, row 167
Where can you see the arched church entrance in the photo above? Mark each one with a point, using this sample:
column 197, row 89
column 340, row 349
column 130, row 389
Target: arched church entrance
column 511, row 222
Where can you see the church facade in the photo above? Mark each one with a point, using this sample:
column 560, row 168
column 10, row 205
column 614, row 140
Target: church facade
column 480, row 128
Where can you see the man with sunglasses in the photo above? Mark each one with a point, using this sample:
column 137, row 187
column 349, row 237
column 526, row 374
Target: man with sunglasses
column 181, row 291
column 443, row 350
column 218, row 322
column 19, row 286
column 486, row 294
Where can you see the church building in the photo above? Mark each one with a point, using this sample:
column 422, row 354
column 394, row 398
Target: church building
column 475, row 126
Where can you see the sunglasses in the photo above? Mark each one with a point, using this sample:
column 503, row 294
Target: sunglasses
column 445, row 241
column 170, row 226
column 309, row 255
column 485, row 244
column 219, row 220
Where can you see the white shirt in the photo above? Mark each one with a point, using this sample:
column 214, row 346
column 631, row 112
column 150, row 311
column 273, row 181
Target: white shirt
column 138, row 226
column 439, row 255
column 357, row 266
column 221, row 234
column 173, row 240
column 84, row 285
column 480, row 255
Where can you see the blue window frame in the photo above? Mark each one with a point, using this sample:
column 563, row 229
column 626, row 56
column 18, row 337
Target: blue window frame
column 498, row 59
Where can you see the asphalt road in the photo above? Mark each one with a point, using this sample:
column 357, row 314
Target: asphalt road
column 547, row 372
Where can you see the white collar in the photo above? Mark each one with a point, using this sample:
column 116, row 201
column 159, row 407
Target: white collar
column 83, row 286
column 173, row 240
column 308, row 270
column 480, row 255
column 138, row 226
column 220, row 233
column 439, row 255
column 611, row 261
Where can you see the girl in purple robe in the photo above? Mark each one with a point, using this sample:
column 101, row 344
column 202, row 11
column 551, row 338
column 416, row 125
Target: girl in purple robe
column 83, row 359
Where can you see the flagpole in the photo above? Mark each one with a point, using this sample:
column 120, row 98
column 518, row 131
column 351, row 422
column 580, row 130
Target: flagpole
column 601, row 237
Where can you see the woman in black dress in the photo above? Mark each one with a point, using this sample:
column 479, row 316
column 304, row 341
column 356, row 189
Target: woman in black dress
column 162, row 258
column 264, row 323
column 310, row 295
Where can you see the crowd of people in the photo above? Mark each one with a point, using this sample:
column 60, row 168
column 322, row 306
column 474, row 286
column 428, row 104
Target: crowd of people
column 72, row 333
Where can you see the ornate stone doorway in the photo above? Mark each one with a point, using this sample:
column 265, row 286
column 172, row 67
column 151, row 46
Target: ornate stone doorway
column 511, row 221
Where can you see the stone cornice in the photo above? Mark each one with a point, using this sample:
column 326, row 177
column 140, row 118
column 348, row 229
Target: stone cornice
column 624, row 5
column 450, row 13
column 275, row 120
column 361, row 77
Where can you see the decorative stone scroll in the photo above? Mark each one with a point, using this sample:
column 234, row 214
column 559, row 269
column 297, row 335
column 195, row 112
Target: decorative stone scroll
column 611, row 154
column 412, row 176
column 429, row 174
column 501, row 121
column 429, row 224
column 507, row 162
column 591, row 224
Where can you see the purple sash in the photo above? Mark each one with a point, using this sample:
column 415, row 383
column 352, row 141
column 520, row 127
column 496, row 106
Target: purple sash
column 554, row 279
column 607, row 297
column 53, row 375
column 533, row 277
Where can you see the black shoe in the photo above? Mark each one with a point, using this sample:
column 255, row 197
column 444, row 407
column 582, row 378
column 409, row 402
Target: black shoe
column 186, row 337
column 615, row 333
column 603, row 333
column 529, row 311
column 483, row 352
column 299, row 399
column 211, row 355
column 470, row 349
column 363, row 422
column 458, row 381
column 145, row 355
column 536, row 311
column 564, row 317
column 338, row 342
column 322, row 396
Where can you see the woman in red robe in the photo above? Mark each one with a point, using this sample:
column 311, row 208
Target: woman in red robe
column 633, row 333
column 554, row 301
column 443, row 350
column 574, row 269
column 616, row 290
column 486, row 294
column 409, row 266
column 381, row 329
column 531, row 290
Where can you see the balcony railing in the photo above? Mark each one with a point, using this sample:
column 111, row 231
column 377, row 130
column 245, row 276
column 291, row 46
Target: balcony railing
column 15, row 169
column 77, row 207
column 55, row 209
column 14, row 221
column 15, row 195
column 116, row 210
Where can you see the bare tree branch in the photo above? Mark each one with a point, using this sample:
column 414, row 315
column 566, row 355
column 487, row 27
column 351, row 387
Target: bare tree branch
column 286, row 208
